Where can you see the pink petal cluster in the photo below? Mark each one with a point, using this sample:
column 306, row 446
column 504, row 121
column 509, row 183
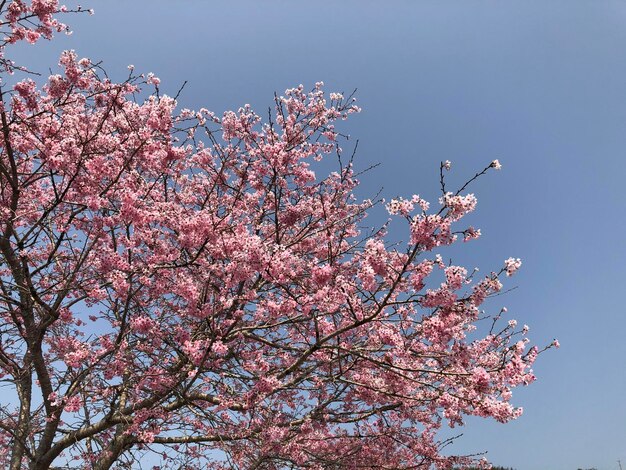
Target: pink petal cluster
column 511, row 265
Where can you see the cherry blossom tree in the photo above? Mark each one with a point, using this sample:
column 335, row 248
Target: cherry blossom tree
column 182, row 289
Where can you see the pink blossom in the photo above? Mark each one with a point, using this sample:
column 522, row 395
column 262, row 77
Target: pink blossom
column 511, row 265
column 72, row 404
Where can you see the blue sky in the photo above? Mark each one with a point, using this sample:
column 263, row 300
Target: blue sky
column 540, row 85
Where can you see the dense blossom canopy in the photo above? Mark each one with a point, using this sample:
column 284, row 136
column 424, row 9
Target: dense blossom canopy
column 181, row 288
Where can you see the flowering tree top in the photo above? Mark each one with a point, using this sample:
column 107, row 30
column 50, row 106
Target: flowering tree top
column 184, row 285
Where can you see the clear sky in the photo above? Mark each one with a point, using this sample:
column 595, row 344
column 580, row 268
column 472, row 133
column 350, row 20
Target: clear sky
column 540, row 85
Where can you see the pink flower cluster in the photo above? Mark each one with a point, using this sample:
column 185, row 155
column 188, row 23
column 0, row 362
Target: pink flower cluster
column 511, row 265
